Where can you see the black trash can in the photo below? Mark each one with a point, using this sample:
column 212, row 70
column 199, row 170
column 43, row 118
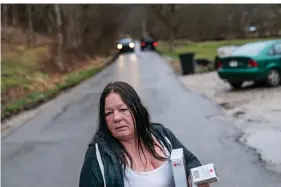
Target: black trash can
column 187, row 63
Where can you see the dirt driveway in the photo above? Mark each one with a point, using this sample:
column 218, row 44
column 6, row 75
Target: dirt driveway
column 255, row 110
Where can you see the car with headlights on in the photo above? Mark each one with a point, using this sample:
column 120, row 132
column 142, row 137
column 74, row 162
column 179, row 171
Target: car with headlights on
column 126, row 45
column 256, row 61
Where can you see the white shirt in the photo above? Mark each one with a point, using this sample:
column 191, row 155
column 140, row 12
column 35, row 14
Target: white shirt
column 159, row 177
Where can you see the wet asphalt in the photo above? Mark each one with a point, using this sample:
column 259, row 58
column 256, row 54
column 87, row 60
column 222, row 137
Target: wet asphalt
column 48, row 151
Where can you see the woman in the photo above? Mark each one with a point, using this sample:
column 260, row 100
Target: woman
column 127, row 149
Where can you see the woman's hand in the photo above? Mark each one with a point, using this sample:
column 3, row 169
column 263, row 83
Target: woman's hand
column 199, row 185
column 204, row 185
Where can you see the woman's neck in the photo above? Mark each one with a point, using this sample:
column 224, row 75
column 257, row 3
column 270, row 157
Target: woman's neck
column 131, row 145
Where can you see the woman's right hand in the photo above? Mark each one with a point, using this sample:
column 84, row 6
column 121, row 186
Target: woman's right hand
column 200, row 185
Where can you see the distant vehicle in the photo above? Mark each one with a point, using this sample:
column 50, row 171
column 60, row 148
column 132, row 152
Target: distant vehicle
column 126, row 45
column 148, row 44
column 258, row 61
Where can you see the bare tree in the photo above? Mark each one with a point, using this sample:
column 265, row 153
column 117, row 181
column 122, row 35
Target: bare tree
column 59, row 61
column 5, row 20
column 31, row 37
column 169, row 15
column 14, row 15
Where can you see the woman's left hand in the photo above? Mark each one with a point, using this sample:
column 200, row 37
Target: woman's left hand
column 204, row 185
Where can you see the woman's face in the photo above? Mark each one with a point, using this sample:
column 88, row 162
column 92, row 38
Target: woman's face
column 118, row 117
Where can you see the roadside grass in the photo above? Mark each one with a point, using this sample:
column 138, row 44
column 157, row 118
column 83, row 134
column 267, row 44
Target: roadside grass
column 24, row 85
column 206, row 50
column 35, row 97
column 17, row 67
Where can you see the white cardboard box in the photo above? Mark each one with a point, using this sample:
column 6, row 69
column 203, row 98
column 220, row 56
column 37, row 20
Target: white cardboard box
column 204, row 174
column 178, row 165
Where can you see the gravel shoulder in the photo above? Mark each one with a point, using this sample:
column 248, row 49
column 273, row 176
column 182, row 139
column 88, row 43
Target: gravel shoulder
column 254, row 110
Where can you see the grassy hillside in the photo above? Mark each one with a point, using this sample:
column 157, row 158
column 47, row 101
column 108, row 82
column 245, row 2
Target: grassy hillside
column 28, row 77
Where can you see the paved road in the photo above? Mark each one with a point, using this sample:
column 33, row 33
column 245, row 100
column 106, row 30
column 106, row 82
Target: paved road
column 48, row 151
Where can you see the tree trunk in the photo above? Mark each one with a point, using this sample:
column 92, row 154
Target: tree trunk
column 5, row 15
column 171, row 40
column 59, row 62
column 51, row 22
column 66, row 30
column 31, row 39
column 14, row 15
column 171, row 34
column 5, row 21
column 77, row 28
column 71, row 37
